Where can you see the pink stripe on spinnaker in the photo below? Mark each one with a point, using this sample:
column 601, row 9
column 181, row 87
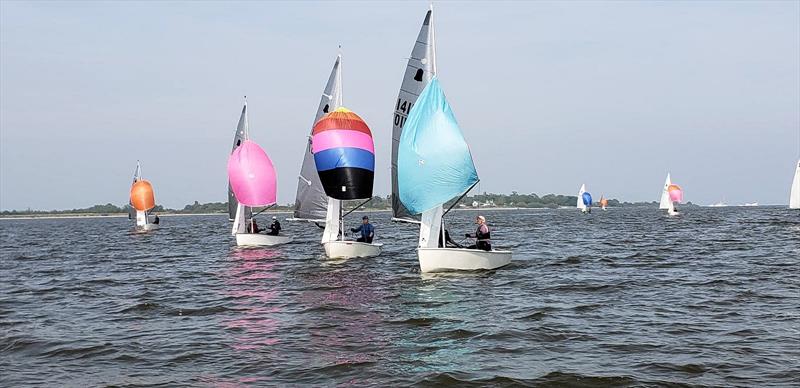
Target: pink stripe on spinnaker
column 252, row 175
column 341, row 138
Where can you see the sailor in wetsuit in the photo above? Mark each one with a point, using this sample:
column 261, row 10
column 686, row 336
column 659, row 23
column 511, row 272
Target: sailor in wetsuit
column 482, row 236
column 275, row 227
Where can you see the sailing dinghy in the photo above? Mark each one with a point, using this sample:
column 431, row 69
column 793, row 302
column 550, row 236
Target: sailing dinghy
column 794, row 195
column 670, row 194
column 434, row 165
column 344, row 154
column 603, row 202
column 142, row 199
column 252, row 179
column 584, row 200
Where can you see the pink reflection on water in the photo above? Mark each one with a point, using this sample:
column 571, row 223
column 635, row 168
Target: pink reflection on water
column 250, row 280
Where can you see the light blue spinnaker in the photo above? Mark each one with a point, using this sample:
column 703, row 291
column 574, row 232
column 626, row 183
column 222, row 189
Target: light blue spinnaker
column 434, row 164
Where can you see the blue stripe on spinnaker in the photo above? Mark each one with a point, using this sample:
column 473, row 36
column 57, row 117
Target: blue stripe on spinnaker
column 344, row 157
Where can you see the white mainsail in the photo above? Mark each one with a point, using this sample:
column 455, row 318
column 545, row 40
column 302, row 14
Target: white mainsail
column 238, row 138
column 665, row 202
column 580, row 205
column 794, row 195
column 420, row 69
column 311, row 203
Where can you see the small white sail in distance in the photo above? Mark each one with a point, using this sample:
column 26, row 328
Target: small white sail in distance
column 580, row 204
column 666, row 203
column 794, row 195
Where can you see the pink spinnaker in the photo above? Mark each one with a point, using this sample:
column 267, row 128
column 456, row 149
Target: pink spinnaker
column 676, row 195
column 252, row 175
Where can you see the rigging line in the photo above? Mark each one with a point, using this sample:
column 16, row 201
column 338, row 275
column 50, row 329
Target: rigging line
column 356, row 208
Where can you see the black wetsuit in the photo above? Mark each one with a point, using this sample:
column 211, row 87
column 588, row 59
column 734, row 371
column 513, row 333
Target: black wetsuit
column 483, row 239
column 274, row 228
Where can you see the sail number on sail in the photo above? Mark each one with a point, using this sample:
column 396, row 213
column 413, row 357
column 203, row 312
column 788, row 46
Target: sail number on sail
column 401, row 112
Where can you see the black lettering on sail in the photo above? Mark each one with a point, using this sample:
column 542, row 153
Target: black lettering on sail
column 418, row 76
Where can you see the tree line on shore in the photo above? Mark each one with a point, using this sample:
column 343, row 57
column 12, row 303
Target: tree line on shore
column 485, row 200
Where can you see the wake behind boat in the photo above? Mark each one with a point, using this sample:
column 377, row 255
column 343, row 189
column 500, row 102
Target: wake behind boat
column 433, row 164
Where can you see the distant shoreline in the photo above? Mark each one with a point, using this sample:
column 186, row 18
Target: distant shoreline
column 51, row 216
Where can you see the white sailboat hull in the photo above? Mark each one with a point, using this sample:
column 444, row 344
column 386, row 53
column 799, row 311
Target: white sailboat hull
column 256, row 239
column 349, row 249
column 460, row 259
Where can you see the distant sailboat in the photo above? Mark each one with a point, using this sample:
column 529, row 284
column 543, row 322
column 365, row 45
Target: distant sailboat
column 719, row 204
column 794, row 195
column 603, row 203
column 142, row 199
column 669, row 195
column 584, row 200
column 433, row 166
column 252, row 179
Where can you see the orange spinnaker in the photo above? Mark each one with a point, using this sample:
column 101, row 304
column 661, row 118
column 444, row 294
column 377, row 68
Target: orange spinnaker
column 673, row 187
column 603, row 202
column 142, row 196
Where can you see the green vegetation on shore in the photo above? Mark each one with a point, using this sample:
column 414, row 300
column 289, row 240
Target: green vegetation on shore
column 485, row 200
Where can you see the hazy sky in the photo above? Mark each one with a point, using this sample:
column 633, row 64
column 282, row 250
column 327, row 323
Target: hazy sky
column 549, row 94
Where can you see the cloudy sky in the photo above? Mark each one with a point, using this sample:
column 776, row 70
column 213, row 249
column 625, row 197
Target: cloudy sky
column 548, row 94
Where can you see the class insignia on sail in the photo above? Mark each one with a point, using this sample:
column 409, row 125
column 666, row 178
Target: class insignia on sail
column 344, row 154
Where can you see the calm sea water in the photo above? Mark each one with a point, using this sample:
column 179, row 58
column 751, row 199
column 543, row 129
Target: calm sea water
column 626, row 297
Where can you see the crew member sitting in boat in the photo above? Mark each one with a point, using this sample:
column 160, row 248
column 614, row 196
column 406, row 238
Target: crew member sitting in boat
column 156, row 220
column 366, row 229
column 275, row 227
column 254, row 226
column 482, row 236
column 447, row 240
